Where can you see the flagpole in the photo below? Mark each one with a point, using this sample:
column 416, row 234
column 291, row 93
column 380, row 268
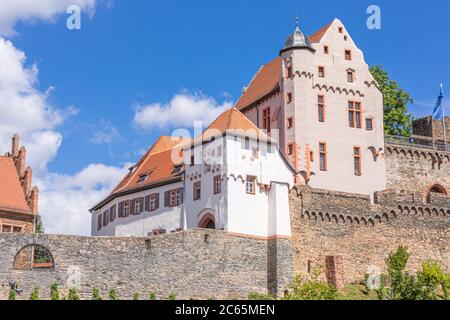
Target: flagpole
column 443, row 120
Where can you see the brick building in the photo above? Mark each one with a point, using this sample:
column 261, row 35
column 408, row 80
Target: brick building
column 18, row 199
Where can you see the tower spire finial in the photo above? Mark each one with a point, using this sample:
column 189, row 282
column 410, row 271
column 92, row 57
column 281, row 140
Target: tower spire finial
column 297, row 19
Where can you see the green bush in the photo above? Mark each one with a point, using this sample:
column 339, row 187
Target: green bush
column 302, row 289
column 173, row 296
column 96, row 294
column 12, row 294
column 113, row 295
column 152, row 296
column 431, row 283
column 34, row 294
column 259, row 296
column 136, row 296
column 54, row 291
column 73, row 294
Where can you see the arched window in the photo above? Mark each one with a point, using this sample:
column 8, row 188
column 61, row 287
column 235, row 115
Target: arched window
column 33, row 257
column 436, row 188
column 207, row 222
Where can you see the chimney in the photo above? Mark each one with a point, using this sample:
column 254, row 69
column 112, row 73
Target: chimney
column 33, row 200
column 15, row 145
column 20, row 161
column 26, row 181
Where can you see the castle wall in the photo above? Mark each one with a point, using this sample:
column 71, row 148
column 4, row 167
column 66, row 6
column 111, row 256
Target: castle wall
column 195, row 263
column 329, row 223
column 416, row 169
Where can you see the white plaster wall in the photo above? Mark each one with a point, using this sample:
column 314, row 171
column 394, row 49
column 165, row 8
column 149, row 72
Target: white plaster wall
column 335, row 131
column 140, row 225
column 279, row 214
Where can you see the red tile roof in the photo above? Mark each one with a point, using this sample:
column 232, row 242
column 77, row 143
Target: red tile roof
column 12, row 197
column 268, row 77
column 157, row 164
column 265, row 81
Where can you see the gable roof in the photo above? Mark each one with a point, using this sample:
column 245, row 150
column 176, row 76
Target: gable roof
column 12, row 196
column 157, row 164
column 268, row 77
column 264, row 82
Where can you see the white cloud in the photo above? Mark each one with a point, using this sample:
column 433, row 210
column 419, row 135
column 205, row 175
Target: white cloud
column 105, row 133
column 13, row 11
column 182, row 110
column 65, row 200
column 26, row 110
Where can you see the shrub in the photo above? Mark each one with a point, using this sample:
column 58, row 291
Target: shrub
column 313, row 289
column 136, row 296
column 173, row 296
column 12, row 294
column 433, row 281
column 113, row 294
column 259, row 296
column 96, row 294
column 34, row 294
column 54, row 291
column 152, row 296
column 73, row 294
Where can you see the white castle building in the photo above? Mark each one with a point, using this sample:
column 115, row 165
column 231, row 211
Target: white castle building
column 313, row 115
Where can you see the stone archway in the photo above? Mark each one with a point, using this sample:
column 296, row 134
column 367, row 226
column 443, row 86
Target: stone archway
column 435, row 188
column 207, row 222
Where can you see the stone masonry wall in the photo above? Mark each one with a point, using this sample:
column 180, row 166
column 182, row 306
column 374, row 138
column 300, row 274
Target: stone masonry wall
column 329, row 223
column 416, row 169
column 194, row 263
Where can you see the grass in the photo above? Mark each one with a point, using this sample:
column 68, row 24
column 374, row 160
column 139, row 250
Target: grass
column 357, row 292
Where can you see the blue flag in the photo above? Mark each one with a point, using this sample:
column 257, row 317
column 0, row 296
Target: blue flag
column 438, row 112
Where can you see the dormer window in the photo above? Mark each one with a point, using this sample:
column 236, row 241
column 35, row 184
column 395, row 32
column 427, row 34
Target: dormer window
column 341, row 30
column 142, row 178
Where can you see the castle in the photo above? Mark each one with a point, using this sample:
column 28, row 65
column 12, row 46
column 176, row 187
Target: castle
column 298, row 175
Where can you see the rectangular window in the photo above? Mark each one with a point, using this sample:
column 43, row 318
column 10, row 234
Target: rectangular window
column 153, row 202
column 325, row 49
column 350, row 76
column 192, row 160
column 17, row 229
column 289, row 97
column 8, row 229
column 247, row 143
column 126, row 208
column 217, row 184
column 357, row 160
column 354, row 114
column 290, row 122
column 250, row 185
column 138, row 206
column 266, row 119
column 321, row 72
column 323, row 156
column 173, row 198
column 321, row 107
column 311, row 156
column 369, row 124
column 197, row 190
column 99, row 222
column 290, row 149
column 348, row 55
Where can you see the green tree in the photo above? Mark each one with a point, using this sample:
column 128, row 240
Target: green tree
column 397, row 120
column 39, row 226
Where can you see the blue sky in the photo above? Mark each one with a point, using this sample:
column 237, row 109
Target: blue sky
column 133, row 54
